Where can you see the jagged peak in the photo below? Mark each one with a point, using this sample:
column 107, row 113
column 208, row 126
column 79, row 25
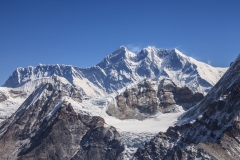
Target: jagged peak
column 42, row 66
column 58, row 65
column 122, row 53
column 179, row 53
column 122, row 47
column 150, row 48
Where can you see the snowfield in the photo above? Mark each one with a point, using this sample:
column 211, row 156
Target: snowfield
column 9, row 106
column 154, row 124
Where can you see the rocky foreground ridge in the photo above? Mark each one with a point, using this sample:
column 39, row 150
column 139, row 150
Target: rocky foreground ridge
column 46, row 127
column 210, row 130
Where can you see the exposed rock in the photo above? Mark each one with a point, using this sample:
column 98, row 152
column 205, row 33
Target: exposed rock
column 170, row 95
column 150, row 97
column 47, row 127
column 3, row 97
column 193, row 141
column 17, row 93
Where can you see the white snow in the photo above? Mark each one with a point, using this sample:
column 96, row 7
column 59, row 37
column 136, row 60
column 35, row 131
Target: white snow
column 55, row 109
column 160, row 122
column 8, row 107
column 88, row 87
column 97, row 107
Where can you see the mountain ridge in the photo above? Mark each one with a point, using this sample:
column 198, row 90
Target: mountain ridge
column 210, row 130
column 123, row 67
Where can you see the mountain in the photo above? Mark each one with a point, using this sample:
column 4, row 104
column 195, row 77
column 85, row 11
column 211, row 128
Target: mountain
column 210, row 130
column 72, row 75
column 12, row 98
column 123, row 67
column 46, row 127
column 76, row 104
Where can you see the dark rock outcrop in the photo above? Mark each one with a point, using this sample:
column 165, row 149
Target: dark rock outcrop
column 3, row 97
column 170, row 95
column 135, row 102
column 17, row 93
column 46, row 127
column 150, row 97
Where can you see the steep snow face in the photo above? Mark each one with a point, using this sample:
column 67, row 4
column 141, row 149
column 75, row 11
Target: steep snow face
column 23, row 75
column 67, row 74
column 123, row 67
column 229, row 81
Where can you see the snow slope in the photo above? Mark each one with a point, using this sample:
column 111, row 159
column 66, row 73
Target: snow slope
column 9, row 106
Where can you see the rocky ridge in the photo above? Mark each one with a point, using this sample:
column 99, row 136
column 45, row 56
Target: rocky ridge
column 210, row 130
column 16, row 96
column 46, row 127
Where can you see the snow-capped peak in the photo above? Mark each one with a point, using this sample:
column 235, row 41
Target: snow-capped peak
column 123, row 67
column 179, row 52
column 123, row 47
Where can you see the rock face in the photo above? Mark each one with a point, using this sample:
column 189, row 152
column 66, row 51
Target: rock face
column 150, row 97
column 16, row 93
column 123, row 67
column 210, row 130
column 3, row 97
column 46, row 127
column 170, row 94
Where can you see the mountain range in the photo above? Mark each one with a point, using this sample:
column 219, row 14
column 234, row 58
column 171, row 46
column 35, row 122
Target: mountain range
column 157, row 104
column 123, row 67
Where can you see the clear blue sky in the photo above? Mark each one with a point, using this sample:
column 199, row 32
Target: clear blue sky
column 83, row 32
